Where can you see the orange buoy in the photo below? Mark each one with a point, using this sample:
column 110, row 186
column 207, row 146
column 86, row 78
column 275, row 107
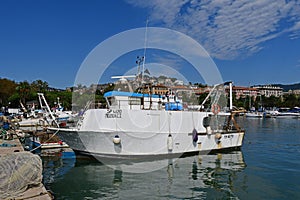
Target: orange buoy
column 215, row 108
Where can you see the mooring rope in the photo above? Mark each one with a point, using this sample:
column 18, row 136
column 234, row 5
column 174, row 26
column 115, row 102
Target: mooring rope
column 45, row 142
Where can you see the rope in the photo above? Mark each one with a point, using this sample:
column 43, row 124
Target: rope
column 46, row 141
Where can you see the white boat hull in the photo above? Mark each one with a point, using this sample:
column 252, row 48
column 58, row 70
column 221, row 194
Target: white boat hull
column 254, row 115
column 288, row 115
column 153, row 133
column 101, row 143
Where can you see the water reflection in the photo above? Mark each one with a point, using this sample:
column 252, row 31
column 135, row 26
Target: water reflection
column 217, row 172
column 117, row 177
column 56, row 163
column 197, row 175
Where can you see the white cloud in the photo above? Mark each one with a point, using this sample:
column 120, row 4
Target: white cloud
column 226, row 28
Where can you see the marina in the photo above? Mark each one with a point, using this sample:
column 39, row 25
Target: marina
column 266, row 167
column 200, row 150
column 136, row 99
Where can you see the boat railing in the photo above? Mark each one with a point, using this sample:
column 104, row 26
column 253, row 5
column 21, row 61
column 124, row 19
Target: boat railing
column 135, row 104
column 144, row 104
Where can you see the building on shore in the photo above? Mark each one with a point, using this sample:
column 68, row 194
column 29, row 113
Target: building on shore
column 269, row 90
column 242, row 92
column 295, row 92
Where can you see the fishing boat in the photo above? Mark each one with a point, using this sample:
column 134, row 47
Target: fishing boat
column 61, row 116
column 36, row 126
column 145, row 124
column 36, row 119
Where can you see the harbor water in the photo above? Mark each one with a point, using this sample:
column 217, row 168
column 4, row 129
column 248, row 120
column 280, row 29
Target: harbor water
column 266, row 167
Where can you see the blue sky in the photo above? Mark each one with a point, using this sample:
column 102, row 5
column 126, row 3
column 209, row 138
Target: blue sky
column 251, row 42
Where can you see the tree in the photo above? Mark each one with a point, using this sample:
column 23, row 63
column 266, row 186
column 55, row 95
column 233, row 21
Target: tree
column 290, row 100
column 23, row 89
column 65, row 99
column 39, row 86
column 7, row 88
column 14, row 100
column 271, row 101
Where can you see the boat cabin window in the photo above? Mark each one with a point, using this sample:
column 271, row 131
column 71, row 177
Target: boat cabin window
column 134, row 101
column 112, row 101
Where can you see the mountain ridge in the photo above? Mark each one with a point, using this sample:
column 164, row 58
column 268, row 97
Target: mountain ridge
column 287, row 87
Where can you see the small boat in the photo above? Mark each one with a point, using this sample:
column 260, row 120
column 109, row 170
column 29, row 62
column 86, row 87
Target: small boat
column 47, row 141
column 139, row 125
column 254, row 114
column 51, row 145
column 288, row 113
column 271, row 113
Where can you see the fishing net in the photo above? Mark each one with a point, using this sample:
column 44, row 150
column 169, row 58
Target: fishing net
column 217, row 104
column 18, row 172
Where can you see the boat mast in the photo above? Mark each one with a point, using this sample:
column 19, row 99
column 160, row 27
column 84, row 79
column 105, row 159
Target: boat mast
column 249, row 101
column 42, row 98
column 145, row 47
column 249, row 98
column 230, row 95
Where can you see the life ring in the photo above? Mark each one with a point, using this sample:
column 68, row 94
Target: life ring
column 215, row 108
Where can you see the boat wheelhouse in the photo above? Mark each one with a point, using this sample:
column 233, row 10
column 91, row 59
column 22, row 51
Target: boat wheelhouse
column 140, row 101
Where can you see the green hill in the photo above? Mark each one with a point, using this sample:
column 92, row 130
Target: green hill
column 286, row 88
